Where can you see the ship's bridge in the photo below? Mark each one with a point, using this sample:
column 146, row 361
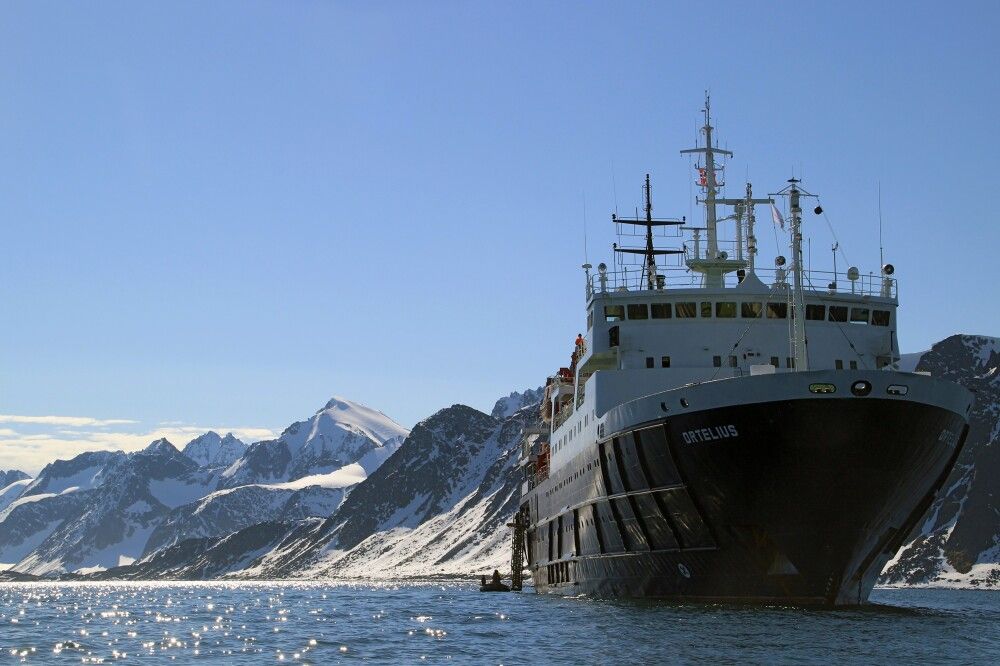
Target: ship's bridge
column 849, row 324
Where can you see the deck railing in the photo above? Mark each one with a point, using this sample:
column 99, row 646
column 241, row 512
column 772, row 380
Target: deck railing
column 634, row 278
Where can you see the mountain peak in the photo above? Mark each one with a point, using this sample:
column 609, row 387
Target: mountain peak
column 343, row 404
column 354, row 416
column 507, row 406
column 161, row 446
column 211, row 450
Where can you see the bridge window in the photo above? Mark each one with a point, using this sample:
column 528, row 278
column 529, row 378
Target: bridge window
column 859, row 315
column 880, row 317
column 685, row 310
column 725, row 310
column 664, row 361
column 638, row 311
column 815, row 312
column 614, row 312
column 706, row 309
column 777, row 310
column 661, row 310
column 838, row 313
column 750, row 310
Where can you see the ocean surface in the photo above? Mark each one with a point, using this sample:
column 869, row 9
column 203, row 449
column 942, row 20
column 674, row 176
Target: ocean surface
column 320, row 623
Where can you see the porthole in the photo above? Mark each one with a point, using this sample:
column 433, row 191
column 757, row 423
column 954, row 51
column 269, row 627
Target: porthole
column 861, row 387
column 684, row 570
column 684, row 402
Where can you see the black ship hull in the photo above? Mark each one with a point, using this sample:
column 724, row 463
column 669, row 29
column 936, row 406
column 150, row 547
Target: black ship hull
column 793, row 501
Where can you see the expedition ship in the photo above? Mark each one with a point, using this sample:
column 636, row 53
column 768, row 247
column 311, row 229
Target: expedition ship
column 727, row 433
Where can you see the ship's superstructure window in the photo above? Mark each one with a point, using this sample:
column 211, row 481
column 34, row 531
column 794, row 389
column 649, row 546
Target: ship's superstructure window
column 775, row 362
column 664, row 361
column 854, row 365
column 789, row 362
column 590, row 319
column 649, row 362
column 838, row 364
column 777, row 310
column 725, row 309
column 717, row 361
column 613, row 336
column 859, row 315
column 838, row 313
column 733, row 362
column 880, row 317
column 614, row 312
column 750, row 310
column 815, row 312
column 706, row 309
column 638, row 311
column 685, row 310
column 661, row 310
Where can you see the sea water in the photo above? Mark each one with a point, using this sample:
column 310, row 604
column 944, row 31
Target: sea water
column 455, row 623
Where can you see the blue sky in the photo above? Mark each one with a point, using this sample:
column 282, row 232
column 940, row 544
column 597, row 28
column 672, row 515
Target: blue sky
column 220, row 214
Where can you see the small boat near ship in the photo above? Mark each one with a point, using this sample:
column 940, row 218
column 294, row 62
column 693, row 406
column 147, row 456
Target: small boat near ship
column 727, row 432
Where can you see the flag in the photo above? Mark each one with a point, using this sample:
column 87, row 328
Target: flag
column 776, row 216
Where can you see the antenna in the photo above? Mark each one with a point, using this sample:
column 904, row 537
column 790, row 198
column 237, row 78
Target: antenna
column 614, row 188
column 585, row 258
column 881, row 252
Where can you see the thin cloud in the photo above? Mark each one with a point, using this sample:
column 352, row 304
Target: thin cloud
column 31, row 452
column 71, row 421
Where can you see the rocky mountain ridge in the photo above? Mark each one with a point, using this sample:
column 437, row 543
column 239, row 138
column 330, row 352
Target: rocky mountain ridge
column 958, row 542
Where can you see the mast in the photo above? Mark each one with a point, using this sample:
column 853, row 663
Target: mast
column 799, row 309
column 715, row 264
column 744, row 208
column 798, row 340
column 649, row 252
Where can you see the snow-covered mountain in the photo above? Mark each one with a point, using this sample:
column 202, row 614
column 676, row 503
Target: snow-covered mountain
column 80, row 514
column 958, row 543
column 439, row 506
column 213, row 450
column 516, row 401
column 104, row 509
column 340, row 434
column 12, row 485
column 9, row 477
